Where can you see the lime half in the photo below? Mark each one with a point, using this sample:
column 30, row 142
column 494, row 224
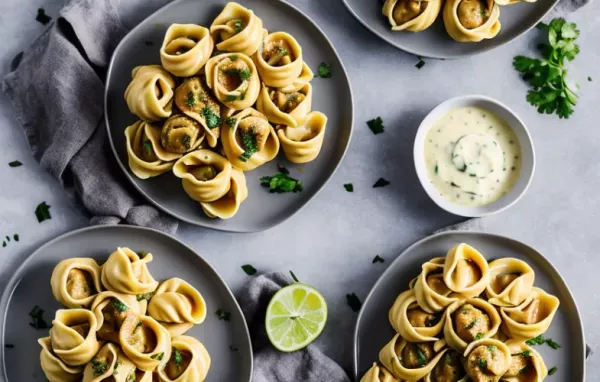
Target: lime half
column 295, row 317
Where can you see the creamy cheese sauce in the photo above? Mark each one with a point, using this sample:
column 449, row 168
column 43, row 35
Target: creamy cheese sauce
column 472, row 156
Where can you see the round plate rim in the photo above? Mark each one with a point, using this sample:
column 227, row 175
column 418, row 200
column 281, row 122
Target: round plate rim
column 419, row 53
column 14, row 281
column 205, row 224
column 449, row 233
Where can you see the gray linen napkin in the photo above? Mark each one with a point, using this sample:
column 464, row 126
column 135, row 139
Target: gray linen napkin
column 271, row 365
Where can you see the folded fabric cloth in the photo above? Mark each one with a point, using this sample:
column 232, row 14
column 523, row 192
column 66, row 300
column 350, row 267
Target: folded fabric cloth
column 271, row 365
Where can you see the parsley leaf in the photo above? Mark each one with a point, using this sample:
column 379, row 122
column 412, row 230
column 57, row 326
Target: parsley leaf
column 148, row 43
column 42, row 212
column 15, row 163
column 158, row 356
column 478, row 336
column 324, row 70
column 349, row 187
column 552, row 371
column 9, row 346
column 42, row 17
column 98, row 367
column 145, row 296
column 248, row 144
column 421, row 357
column 294, row 277
column 37, row 318
column 118, row 305
column 482, row 363
column 540, row 340
column 378, row 259
column 550, row 92
column 191, row 100
column 381, row 182
column 230, row 122
column 238, row 26
column 223, row 315
column 376, row 125
column 420, row 64
column 353, row 302
column 281, row 182
column 249, row 269
column 177, row 357
column 233, row 348
column 212, row 119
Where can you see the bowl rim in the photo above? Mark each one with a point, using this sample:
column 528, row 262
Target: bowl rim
column 488, row 209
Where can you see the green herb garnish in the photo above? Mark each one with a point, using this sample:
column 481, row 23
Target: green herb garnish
column 186, row 141
column 177, row 357
column 524, row 370
column 15, row 163
column 294, row 277
column 472, row 324
column 147, row 147
column 547, row 77
column 421, row 357
column 191, row 100
column 230, row 122
column 492, row 348
column 223, row 315
column 42, row 17
column 590, row 79
column 212, row 119
column 145, row 296
column 9, row 346
column 42, row 212
column 238, row 26
column 539, row 340
column 478, row 336
column 353, row 302
column 158, row 356
column 37, row 318
column 378, row 259
column 454, row 185
column 376, row 125
column 118, row 305
column 98, row 367
column 525, row 353
column 349, row 187
column 381, row 182
column 148, row 43
column 324, row 70
column 233, row 57
column 115, row 372
column 281, row 183
column 233, row 348
column 282, row 51
column 482, row 363
column 552, row 371
column 248, row 144
column 420, row 64
column 230, row 98
column 249, row 269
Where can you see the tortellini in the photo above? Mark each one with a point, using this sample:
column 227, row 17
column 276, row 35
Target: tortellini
column 185, row 49
column 430, row 290
column 302, row 144
column 412, row 322
column 194, row 99
column 237, row 29
column 511, row 282
column 471, row 20
column 181, row 134
column 279, row 59
column 205, row 175
column 177, row 306
column 73, row 336
column 145, row 342
column 470, row 320
column 526, row 363
column 102, row 366
column 487, row 360
column 54, row 368
column 150, row 93
column 532, row 318
column 249, row 140
column 408, row 360
column 110, row 310
column 75, row 282
column 234, row 80
column 290, row 109
column 126, row 272
column 466, row 271
column 147, row 158
column 189, row 361
column 378, row 374
column 306, row 75
column 229, row 204
column 411, row 15
column 448, row 368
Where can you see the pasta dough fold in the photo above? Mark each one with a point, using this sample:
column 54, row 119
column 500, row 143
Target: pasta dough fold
column 487, row 360
column 430, row 290
column 145, row 342
column 111, row 309
column 470, row 320
column 189, row 361
column 279, row 59
column 185, row 49
column 237, row 29
column 412, row 322
column 229, row 204
column 205, row 175
column 150, row 93
column 181, row 134
column 466, row 271
column 471, row 20
column 102, row 366
column 125, row 272
column 146, row 157
column 532, row 318
column 76, row 281
column 54, row 368
column 378, row 373
column 526, row 364
column 411, row 15
column 73, row 336
column 302, row 144
column 234, row 80
column 411, row 361
column 511, row 282
column 290, row 109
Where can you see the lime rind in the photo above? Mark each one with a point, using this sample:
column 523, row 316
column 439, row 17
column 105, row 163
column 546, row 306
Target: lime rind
column 295, row 317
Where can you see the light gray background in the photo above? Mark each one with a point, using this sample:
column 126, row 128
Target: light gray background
column 330, row 244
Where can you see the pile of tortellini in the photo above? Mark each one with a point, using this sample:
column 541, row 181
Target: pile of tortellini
column 121, row 325
column 466, row 320
column 222, row 102
column 465, row 20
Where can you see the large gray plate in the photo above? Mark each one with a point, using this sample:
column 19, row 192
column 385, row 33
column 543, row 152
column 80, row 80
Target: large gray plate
column 434, row 42
column 373, row 330
column 30, row 286
column 331, row 96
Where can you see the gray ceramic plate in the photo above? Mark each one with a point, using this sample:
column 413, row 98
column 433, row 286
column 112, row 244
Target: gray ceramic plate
column 434, row 42
column 30, row 286
column 331, row 96
column 373, row 330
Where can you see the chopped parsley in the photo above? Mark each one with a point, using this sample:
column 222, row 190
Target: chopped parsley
column 244, row 74
column 115, row 372
column 233, row 57
column 248, row 144
column 15, row 163
column 233, row 348
column 191, row 100
column 420, row 64
column 186, row 141
column 540, row 340
column 98, row 367
column 281, row 183
column 148, row 43
column 211, row 118
column 282, row 51
column 230, row 122
column 118, row 305
column 524, row 369
column 147, row 147
column 478, row 336
column 177, row 357
column 223, row 315
column 378, row 259
column 492, row 348
column 3, row 244
column 349, row 187
column 590, row 79
column 525, row 353
column 482, row 363
column 421, row 357
column 37, row 318
column 144, row 296
column 42, row 212
column 238, row 26
column 472, row 324
column 294, row 277
column 9, row 346
column 324, row 70
column 552, row 371
column 353, row 302
column 230, row 98
column 376, row 125
column 42, row 17
column 381, row 182
column 249, row 269
column 158, row 356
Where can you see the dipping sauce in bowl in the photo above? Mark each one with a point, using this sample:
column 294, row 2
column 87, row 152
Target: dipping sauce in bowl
column 472, row 156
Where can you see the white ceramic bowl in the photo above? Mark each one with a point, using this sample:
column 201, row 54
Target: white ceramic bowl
column 518, row 127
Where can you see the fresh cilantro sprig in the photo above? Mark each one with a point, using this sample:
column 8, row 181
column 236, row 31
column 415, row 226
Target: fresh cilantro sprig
column 550, row 92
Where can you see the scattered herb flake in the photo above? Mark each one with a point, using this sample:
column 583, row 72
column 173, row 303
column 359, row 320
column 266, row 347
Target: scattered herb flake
column 454, row 185
column 177, row 357
column 482, row 363
column 233, row 348
column 324, row 70
column 378, row 259
column 294, row 277
column 282, row 169
column 37, row 318
column 245, row 74
column 144, row 296
column 421, row 357
column 525, row 353
column 223, row 315
column 42, row 17
column 590, row 79
column 281, row 182
column 186, row 141
column 349, row 187
column 230, row 122
column 353, row 302
column 230, row 98
column 540, row 340
column 420, row 64
column 118, row 305
column 249, row 269
column 552, row 370
column 3, row 244
column 42, row 212
column 376, row 125
column 147, row 147
column 148, row 43
column 381, row 182
column 238, row 26
column 15, row 163
column 478, row 336
column 98, row 367
column 158, row 356
column 248, row 144
column 472, row 324
column 9, row 346
column 524, row 370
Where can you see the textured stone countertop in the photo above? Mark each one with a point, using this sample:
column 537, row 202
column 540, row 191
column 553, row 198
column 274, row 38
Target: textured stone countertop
column 330, row 243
